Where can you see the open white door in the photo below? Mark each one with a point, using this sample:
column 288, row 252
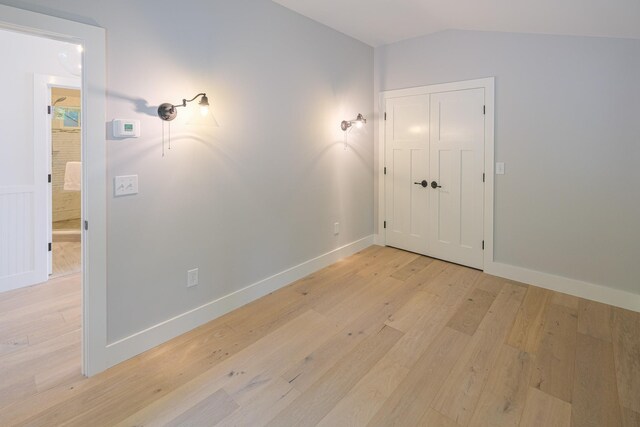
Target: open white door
column 43, row 114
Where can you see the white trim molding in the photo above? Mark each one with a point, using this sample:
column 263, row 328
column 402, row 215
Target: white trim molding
column 139, row 342
column 578, row 288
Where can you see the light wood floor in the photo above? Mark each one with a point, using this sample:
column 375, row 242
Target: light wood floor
column 381, row 338
column 66, row 258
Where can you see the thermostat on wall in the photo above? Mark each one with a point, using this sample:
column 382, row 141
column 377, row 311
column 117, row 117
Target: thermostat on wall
column 126, row 128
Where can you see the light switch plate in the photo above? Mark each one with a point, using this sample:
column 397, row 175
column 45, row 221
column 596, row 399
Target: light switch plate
column 125, row 185
column 499, row 168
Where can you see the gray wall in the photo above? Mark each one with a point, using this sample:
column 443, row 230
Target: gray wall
column 252, row 197
column 568, row 129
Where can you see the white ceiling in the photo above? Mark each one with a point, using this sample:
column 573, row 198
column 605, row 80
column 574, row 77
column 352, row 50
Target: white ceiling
column 379, row 22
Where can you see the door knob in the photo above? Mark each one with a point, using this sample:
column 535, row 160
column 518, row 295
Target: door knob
column 424, row 183
column 435, row 185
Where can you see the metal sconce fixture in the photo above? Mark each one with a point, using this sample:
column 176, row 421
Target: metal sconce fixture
column 346, row 126
column 358, row 121
column 168, row 112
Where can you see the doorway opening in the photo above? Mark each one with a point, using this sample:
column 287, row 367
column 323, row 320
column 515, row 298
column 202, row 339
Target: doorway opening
column 41, row 284
column 88, row 42
column 66, row 177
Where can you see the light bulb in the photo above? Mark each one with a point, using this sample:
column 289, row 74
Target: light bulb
column 204, row 105
column 359, row 124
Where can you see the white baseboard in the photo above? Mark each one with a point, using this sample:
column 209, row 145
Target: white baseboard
column 590, row 291
column 20, row 280
column 142, row 341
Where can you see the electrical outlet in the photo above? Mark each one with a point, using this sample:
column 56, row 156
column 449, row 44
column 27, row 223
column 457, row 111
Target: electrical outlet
column 336, row 228
column 499, row 168
column 192, row 277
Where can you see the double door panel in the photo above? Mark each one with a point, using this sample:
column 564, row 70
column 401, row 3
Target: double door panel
column 434, row 189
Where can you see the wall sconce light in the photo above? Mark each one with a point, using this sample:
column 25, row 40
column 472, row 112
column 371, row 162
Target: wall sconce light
column 346, row 125
column 168, row 112
column 358, row 121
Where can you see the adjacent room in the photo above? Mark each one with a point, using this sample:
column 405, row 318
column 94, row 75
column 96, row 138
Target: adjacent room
column 301, row 213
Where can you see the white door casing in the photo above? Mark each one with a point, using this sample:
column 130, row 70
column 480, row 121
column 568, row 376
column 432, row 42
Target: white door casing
column 458, row 218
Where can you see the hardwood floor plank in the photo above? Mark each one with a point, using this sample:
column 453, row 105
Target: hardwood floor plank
column 412, row 268
column 395, row 260
column 368, row 395
column 30, row 362
column 490, row 284
column 565, row 300
column 262, row 404
column 503, row 399
column 529, row 325
column 253, row 365
column 356, row 328
column 630, row 418
column 313, row 404
column 411, row 399
column 626, row 350
column 209, row 411
column 542, row 409
column 9, row 345
column 555, row 356
column 460, row 394
column 428, row 321
column 433, row 418
column 595, row 394
column 469, row 315
column 594, row 319
column 422, row 319
column 418, row 306
column 197, row 350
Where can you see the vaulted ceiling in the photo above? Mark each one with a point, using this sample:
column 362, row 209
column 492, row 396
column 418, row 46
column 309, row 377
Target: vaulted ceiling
column 379, row 22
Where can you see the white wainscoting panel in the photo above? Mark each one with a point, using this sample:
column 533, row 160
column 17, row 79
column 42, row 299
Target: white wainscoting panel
column 17, row 231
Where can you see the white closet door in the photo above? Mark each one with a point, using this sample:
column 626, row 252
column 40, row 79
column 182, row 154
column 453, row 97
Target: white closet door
column 407, row 163
column 456, row 166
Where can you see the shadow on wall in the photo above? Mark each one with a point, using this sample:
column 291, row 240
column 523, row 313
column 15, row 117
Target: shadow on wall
column 140, row 106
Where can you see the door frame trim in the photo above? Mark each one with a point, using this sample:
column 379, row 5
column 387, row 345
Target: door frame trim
column 488, row 84
column 94, row 169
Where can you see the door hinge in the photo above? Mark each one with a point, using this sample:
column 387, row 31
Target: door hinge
column 49, row 246
column 484, row 109
column 385, row 170
column 482, row 176
column 483, row 245
column 86, row 225
column 48, row 109
column 49, row 178
column 385, row 224
column 385, row 115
